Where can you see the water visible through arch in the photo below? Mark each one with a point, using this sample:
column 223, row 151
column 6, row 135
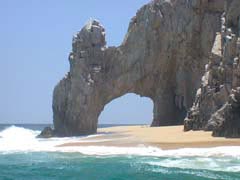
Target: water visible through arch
column 128, row 109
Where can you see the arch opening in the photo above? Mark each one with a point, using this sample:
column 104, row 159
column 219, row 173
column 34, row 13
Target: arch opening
column 127, row 109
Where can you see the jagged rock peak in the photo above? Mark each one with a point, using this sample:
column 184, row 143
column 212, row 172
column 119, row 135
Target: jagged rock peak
column 92, row 35
column 214, row 107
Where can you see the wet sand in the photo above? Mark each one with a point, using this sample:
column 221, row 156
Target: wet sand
column 168, row 137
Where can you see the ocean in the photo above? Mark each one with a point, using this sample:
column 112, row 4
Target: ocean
column 24, row 157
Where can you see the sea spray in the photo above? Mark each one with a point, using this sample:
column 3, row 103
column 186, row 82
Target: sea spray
column 28, row 157
column 18, row 139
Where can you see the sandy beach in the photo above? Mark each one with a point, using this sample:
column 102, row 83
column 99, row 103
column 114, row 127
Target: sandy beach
column 168, row 137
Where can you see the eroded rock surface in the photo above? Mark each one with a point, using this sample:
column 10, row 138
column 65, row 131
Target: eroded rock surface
column 162, row 57
column 216, row 106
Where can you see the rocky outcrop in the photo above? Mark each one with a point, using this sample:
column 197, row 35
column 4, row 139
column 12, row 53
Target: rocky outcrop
column 47, row 132
column 227, row 119
column 216, row 106
column 162, row 57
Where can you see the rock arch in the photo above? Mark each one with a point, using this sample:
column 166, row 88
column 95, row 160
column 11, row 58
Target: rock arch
column 162, row 57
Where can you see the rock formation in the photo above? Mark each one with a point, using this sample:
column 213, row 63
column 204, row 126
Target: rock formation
column 217, row 103
column 47, row 132
column 162, row 57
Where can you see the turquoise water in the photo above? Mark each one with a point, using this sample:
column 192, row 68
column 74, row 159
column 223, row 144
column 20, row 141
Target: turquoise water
column 23, row 157
column 40, row 166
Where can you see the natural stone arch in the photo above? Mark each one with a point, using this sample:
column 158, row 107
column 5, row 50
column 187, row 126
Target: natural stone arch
column 162, row 57
column 130, row 108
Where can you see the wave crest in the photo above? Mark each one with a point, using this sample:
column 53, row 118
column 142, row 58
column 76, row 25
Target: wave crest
column 18, row 139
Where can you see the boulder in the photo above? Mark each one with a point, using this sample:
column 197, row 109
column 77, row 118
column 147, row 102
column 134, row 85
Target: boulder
column 47, row 132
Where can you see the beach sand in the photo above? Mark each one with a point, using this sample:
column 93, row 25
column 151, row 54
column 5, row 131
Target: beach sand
column 168, row 137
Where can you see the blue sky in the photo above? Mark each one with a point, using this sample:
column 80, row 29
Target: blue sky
column 35, row 39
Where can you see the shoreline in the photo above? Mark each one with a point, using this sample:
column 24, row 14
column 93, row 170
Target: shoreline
column 166, row 138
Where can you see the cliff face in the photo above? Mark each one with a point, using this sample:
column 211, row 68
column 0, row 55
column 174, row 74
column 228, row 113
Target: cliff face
column 217, row 103
column 162, row 57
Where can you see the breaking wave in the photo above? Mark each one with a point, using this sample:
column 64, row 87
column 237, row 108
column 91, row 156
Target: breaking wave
column 17, row 139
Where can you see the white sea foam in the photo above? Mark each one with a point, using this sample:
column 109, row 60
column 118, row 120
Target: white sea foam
column 215, row 164
column 16, row 139
column 233, row 152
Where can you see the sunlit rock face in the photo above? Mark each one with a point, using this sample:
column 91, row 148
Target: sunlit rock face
column 217, row 104
column 162, row 57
